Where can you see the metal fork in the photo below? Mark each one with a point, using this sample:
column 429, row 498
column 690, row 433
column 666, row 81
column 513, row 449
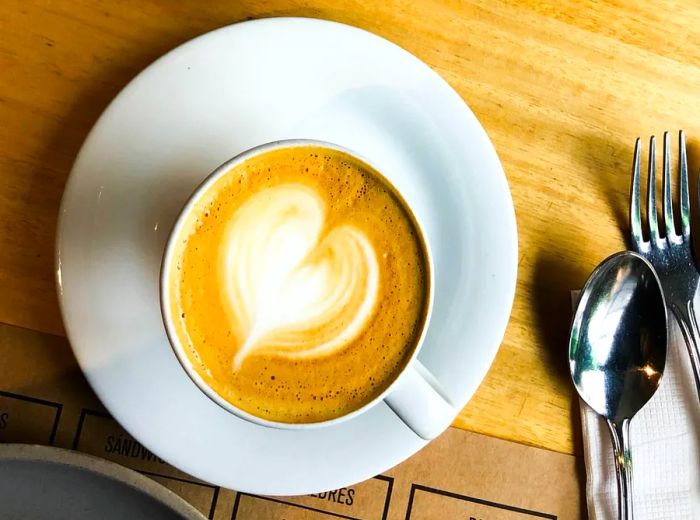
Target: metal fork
column 670, row 254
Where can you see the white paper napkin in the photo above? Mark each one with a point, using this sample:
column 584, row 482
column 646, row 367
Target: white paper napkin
column 665, row 440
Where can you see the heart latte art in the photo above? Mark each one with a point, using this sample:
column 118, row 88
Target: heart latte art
column 290, row 291
column 298, row 284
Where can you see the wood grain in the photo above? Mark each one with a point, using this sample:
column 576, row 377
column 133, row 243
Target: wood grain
column 562, row 88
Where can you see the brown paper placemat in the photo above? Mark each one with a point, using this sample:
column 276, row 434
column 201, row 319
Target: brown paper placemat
column 45, row 399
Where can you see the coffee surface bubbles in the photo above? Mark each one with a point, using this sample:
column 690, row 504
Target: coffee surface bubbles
column 299, row 285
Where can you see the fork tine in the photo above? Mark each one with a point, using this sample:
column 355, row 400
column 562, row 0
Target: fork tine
column 668, row 201
column 635, row 197
column 685, row 199
column 652, row 217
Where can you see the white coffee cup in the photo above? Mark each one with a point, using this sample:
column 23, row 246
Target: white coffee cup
column 415, row 396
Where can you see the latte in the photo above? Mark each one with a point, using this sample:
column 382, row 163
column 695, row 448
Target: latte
column 299, row 284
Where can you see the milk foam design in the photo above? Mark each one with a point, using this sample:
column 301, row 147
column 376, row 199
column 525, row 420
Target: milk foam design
column 292, row 287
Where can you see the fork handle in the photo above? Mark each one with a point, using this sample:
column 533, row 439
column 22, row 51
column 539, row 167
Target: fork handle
column 685, row 315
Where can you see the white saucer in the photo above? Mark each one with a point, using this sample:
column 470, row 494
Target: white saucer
column 205, row 102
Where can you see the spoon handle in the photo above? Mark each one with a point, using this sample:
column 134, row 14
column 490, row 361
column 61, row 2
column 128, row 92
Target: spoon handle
column 620, row 433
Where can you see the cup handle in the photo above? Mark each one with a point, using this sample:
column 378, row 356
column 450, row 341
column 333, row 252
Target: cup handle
column 420, row 403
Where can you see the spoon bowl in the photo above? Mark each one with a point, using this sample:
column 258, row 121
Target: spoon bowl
column 617, row 350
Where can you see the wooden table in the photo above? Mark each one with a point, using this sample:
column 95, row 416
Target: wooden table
column 562, row 88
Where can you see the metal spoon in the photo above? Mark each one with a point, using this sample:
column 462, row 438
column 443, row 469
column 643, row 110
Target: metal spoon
column 617, row 351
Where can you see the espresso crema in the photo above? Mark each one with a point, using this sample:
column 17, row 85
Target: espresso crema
column 299, row 285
